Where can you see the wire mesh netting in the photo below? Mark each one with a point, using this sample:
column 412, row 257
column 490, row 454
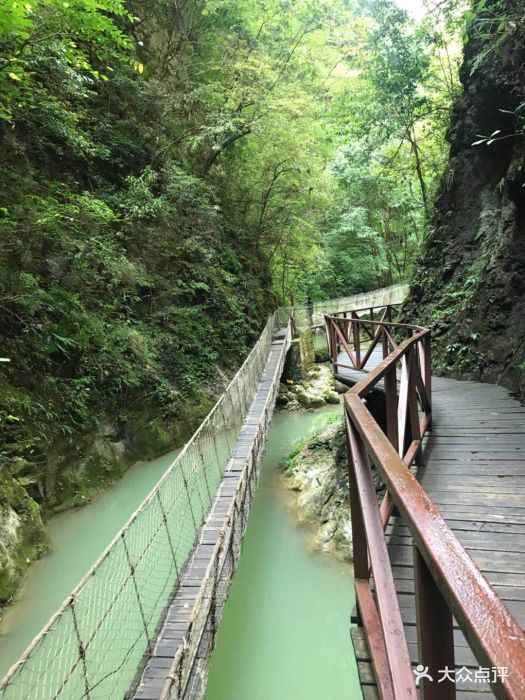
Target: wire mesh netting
column 313, row 315
column 187, row 676
column 94, row 644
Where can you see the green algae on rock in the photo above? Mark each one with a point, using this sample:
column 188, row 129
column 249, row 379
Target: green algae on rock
column 317, row 470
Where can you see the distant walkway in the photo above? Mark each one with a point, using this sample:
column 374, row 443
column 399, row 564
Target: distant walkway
column 314, row 316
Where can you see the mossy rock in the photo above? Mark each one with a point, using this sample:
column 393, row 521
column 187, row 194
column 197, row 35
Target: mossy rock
column 308, row 400
column 322, row 356
column 331, row 397
column 151, row 439
column 22, row 535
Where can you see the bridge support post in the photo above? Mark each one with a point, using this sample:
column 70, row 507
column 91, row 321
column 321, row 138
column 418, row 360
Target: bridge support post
column 435, row 635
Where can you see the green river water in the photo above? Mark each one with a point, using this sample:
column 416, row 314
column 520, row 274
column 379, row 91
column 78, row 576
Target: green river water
column 284, row 634
column 285, row 630
column 78, row 538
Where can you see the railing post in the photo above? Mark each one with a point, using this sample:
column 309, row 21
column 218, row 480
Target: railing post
column 402, row 409
column 356, row 331
column 425, row 365
column 390, row 381
column 427, row 371
column 359, row 542
column 435, row 635
column 413, row 417
column 332, row 342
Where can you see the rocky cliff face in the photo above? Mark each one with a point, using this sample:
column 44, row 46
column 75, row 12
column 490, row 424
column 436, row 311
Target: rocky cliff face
column 317, row 472
column 469, row 284
column 22, row 534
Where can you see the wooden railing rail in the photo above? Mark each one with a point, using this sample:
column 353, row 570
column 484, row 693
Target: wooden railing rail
column 384, row 312
column 353, row 328
column 448, row 584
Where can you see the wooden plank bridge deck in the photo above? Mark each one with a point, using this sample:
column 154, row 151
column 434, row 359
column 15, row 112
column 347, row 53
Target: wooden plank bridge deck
column 474, row 471
column 234, row 492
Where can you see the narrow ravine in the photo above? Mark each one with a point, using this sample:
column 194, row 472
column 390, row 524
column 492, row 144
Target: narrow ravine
column 285, row 630
column 78, row 538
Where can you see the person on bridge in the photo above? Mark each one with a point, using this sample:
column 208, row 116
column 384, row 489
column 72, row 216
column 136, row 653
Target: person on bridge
column 310, row 310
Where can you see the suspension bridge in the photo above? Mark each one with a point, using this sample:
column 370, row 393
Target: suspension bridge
column 439, row 563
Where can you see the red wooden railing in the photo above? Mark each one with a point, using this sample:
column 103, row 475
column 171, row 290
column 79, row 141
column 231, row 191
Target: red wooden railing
column 448, row 584
column 342, row 334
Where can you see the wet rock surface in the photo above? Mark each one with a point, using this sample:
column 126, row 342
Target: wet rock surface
column 317, row 471
column 316, row 390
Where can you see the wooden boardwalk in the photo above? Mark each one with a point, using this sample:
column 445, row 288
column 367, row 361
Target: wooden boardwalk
column 346, row 375
column 474, row 471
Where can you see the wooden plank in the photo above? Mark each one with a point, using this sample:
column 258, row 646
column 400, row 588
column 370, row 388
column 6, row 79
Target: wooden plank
column 467, row 690
column 487, row 560
column 464, row 656
column 469, row 481
column 472, row 454
column 506, row 543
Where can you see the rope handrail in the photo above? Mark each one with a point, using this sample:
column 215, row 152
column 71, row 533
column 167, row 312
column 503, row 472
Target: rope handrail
column 448, row 582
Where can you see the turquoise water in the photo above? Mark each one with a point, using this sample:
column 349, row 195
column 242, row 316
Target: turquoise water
column 78, row 538
column 284, row 634
column 285, row 630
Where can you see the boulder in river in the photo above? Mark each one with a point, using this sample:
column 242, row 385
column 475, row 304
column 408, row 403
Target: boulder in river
column 317, row 471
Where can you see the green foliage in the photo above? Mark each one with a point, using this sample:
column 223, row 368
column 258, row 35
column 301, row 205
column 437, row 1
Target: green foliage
column 495, row 29
column 491, row 24
column 78, row 39
column 355, row 257
column 317, row 428
column 23, row 535
column 323, row 420
column 400, row 80
column 122, row 290
column 170, row 172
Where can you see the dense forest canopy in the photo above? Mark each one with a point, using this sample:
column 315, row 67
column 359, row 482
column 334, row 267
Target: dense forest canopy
column 294, row 112
column 172, row 171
